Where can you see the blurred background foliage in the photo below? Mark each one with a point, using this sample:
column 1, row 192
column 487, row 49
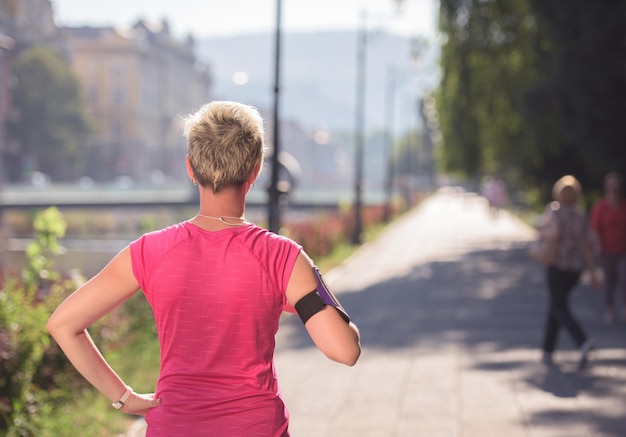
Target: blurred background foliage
column 532, row 90
column 51, row 122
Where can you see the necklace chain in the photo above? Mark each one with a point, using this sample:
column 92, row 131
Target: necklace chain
column 223, row 219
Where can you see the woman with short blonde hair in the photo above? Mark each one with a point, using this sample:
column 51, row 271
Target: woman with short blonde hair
column 220, row 154
column 218, row 285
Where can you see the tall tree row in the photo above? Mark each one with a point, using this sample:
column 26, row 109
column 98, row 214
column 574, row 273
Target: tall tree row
column 533, row 89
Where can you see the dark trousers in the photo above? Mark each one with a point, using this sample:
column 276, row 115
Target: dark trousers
column 611, row 267
column 560, row 284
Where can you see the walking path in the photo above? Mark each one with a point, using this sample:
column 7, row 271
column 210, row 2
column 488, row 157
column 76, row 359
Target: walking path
column 451, row 313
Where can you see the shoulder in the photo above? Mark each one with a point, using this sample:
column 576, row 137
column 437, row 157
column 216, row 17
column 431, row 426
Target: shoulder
column 258, row 236
column 162, row 239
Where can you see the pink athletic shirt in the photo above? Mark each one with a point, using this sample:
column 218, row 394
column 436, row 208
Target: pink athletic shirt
column 217, row 297
column 610, row 225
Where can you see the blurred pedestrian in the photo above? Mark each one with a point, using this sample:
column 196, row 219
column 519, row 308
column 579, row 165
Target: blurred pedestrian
column 495, row 190
column 608, row 222
column 573, row 254
column 217, row 285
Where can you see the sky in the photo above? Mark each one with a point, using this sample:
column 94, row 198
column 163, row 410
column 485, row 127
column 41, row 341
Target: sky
column 222, row 18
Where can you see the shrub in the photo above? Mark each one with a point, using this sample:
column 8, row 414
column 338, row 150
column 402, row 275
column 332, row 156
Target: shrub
column 323, row 233
column 26, row 352
column 29, row 361
column 39, row 388
column 49, row 226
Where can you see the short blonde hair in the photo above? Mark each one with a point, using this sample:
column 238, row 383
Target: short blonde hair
column 567, row 190
column 225, row 143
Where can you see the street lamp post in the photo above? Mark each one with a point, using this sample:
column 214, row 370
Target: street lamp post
column 273, row 191
column 389, row 138
column 361, row 69
column 394, row 80
column 359, row 127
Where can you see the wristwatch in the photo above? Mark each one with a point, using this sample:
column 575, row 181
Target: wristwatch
column 119, row 404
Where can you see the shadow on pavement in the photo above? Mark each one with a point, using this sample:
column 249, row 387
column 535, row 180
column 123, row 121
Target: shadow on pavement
column 494, row 301
column 482, row 297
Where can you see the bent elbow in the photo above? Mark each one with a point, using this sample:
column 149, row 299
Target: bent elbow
column 51, row 326
column 353, row 359
column 347, row 357
column 55, row 326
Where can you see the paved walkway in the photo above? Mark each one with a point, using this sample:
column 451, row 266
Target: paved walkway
column 451, row 314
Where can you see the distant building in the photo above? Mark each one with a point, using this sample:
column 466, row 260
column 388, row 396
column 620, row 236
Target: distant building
column 28, row 22
column 138, row 82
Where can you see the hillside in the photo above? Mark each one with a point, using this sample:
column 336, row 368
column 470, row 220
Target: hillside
column 318, row 75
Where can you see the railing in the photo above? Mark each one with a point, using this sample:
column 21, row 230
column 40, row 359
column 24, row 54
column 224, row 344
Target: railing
column 29, row 197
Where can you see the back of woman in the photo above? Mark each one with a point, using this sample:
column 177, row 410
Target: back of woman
column 217, row 297
column 217, row 284
column 573, row 236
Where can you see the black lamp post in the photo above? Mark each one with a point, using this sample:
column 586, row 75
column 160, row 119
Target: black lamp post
column 273, row 191
column 361, row 69
column 389, row 138
column 361, row 64
column 394, row 80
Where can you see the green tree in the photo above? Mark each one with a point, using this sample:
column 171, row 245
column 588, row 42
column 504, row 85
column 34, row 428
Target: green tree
column 26, row 381
column 488, row 64
column 583, row 92
column 52, row 123
column 533, row 89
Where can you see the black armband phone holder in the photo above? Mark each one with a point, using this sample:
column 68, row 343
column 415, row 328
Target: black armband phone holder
column 317, row 299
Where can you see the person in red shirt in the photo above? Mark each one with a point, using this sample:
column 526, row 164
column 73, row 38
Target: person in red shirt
column 608, row 222
column 217, row 285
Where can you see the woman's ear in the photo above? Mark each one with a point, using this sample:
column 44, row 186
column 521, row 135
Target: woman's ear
column 255, row 173
column 189, row 169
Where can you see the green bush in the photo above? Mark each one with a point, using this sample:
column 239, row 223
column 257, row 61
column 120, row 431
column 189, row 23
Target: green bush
column 30, row 367
column 49, row 225
column 40, row 392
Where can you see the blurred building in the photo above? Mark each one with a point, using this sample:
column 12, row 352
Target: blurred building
column 32, row 21
column 138, row 83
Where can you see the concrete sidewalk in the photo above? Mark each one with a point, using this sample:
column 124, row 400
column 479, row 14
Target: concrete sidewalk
column 451, row 313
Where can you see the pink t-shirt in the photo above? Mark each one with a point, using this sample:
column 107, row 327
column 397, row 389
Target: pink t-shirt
column 217, row 298
column 609, row 223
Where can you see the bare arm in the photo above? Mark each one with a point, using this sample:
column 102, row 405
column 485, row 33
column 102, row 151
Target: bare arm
column 590, row 257
column 93, row 300
column 337, row 339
